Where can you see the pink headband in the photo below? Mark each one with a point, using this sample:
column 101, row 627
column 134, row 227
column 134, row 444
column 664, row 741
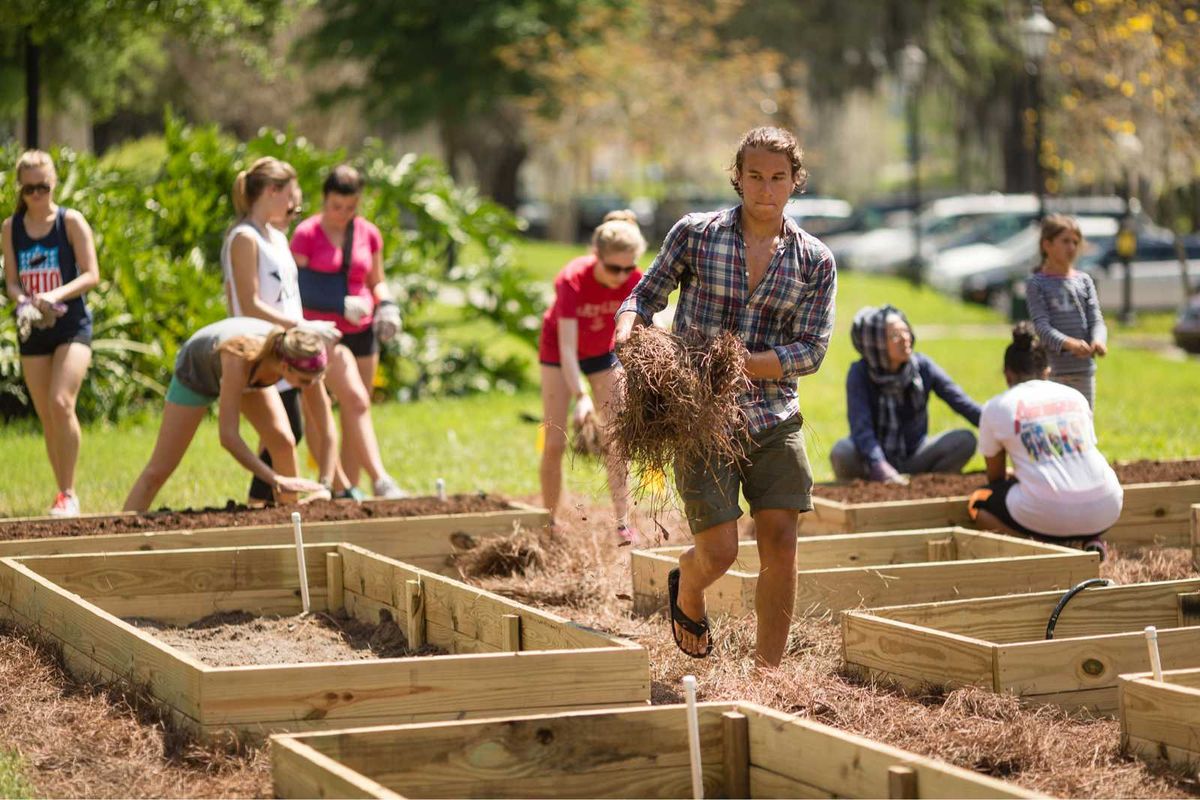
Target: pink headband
column 314, row 363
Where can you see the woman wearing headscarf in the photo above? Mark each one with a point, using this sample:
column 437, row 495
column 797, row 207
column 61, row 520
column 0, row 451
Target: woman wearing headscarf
column 887, row 394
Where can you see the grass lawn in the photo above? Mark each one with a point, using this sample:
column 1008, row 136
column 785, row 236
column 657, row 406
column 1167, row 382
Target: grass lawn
column 1146, row 409
column 12, row 778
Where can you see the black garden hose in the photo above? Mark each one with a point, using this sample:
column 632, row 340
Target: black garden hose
column 1066, row 598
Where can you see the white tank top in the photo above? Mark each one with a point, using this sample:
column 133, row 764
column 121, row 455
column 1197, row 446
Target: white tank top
column 278, row 278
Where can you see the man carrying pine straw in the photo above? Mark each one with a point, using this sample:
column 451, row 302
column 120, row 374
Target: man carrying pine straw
column 750, row 270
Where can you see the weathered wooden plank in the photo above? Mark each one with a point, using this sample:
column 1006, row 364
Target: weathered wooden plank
column 1195, row 534
column 1163, row 713
column 941, row 549
column 1019, row 618
column 511, row 636
column 835, row 590
column 917, row 653
column 1151, row 750
column 1153, row 513
column 180, row 571
column 435, row 684
column 427, row 542
column 877, row 569
column 183, row 609
column 1088, row 662
column 846, row 765
column 299, row 771
column 735, row 754
column 112, row 645
column 334, row 601
column 639, row 753
column 765, row 783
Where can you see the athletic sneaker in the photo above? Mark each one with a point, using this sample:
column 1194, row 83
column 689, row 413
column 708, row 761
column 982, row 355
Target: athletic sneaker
column 387, row 489
column 66, row 504
column 628, row 534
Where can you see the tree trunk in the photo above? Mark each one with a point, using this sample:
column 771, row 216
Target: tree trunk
column 32, row 91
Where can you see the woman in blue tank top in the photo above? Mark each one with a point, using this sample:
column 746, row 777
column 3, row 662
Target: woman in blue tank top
column 49, row 265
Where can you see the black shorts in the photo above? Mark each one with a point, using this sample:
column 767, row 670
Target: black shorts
column 44, row 341
column 993, row 498
column 361, row 344
column 589, row 366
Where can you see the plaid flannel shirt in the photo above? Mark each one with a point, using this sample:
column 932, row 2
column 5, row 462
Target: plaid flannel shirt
column 790, row 311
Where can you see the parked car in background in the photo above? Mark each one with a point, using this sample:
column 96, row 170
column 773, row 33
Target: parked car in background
column 536, row 216
column 820, row 216
column 943, row 223
column 1187, row 326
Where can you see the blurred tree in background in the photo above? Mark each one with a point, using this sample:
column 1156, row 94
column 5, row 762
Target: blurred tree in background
column 459, row 64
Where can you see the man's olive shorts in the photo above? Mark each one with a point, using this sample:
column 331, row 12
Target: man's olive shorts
column 775, row 474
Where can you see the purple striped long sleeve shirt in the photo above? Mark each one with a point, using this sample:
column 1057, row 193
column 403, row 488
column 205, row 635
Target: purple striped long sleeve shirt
column 790, row 311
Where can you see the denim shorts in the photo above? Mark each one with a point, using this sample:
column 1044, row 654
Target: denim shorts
column 590, row 366
column 774, row 475
column 44, row 341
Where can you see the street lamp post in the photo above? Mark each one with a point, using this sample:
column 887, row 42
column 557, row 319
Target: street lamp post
column 1036, row 31
column 1129, row 147
column 912, row 68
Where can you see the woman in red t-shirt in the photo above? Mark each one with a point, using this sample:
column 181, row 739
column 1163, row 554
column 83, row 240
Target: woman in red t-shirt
column 577, row 343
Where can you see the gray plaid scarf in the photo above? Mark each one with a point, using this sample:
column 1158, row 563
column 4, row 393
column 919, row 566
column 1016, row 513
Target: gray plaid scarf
column 868, row 333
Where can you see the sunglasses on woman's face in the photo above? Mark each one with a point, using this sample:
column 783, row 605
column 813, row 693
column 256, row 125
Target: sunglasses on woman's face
column 35, row 188
column 617, row 269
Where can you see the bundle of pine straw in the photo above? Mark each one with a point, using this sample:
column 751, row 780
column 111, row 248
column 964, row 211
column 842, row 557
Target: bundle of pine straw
column 587, row 437
column 677, row 402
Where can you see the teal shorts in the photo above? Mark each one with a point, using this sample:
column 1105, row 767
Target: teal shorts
column 181, row 395
column 775, row 475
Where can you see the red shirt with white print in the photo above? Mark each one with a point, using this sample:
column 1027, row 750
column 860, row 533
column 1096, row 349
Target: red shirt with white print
column 579, row 296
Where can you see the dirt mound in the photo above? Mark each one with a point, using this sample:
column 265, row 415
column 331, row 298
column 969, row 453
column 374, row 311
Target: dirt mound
column 233, row 515
column 924, row 487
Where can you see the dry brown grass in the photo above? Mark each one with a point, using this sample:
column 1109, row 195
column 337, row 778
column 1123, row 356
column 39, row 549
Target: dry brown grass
column 1044, row 749
column 676, row 402
column 82, row 740
column 78, row 740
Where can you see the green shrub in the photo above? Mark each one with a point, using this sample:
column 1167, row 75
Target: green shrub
column 159, row 229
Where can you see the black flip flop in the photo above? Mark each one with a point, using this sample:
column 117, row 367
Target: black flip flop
column 687, row 623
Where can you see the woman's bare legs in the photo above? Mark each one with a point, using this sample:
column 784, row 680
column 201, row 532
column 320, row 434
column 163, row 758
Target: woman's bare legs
column 367, row 367
column 175, row 433
column 360, row 448
column 54, row 383
column 264, row 410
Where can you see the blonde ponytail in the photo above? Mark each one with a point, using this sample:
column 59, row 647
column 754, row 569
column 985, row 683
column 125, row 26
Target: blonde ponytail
column 250, row 183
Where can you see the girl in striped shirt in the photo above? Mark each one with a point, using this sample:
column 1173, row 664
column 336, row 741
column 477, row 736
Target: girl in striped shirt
column 1065, row 310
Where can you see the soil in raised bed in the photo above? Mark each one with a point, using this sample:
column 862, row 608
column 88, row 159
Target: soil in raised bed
column 233, row 515
column 239, row 639
column 924, row 487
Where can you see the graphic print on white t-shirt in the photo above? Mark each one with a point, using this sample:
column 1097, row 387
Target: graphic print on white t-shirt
column 1065, row 486
column 1053, row 429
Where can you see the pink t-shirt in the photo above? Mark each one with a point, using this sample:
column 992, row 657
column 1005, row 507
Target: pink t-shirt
column 310, row 241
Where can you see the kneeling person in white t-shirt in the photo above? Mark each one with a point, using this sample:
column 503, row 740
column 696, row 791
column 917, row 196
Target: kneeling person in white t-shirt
column 1064, row 487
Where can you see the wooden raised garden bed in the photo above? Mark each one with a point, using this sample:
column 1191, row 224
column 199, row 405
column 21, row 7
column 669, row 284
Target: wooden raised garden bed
column 1155, row 512
column 849, row 571
column 1161, row 719
column 427, row 539
column 503, row 657
column 746, row 751
column 999, row 643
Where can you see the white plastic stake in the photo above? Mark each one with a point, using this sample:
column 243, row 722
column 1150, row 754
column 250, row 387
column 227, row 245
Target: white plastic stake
column 693, row 724
column 300, row 562
column 1152, row 645
column 441, row 488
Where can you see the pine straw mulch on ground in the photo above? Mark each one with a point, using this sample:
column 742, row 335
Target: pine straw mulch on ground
column 79, row 740
column 585, row 577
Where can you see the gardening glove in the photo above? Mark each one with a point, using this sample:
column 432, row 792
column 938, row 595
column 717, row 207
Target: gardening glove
column 387, row 320
column 28, row 317
column 50, row 311
column 884, row 472
column 583, row 407
column 323, row 328
column 354, row 308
